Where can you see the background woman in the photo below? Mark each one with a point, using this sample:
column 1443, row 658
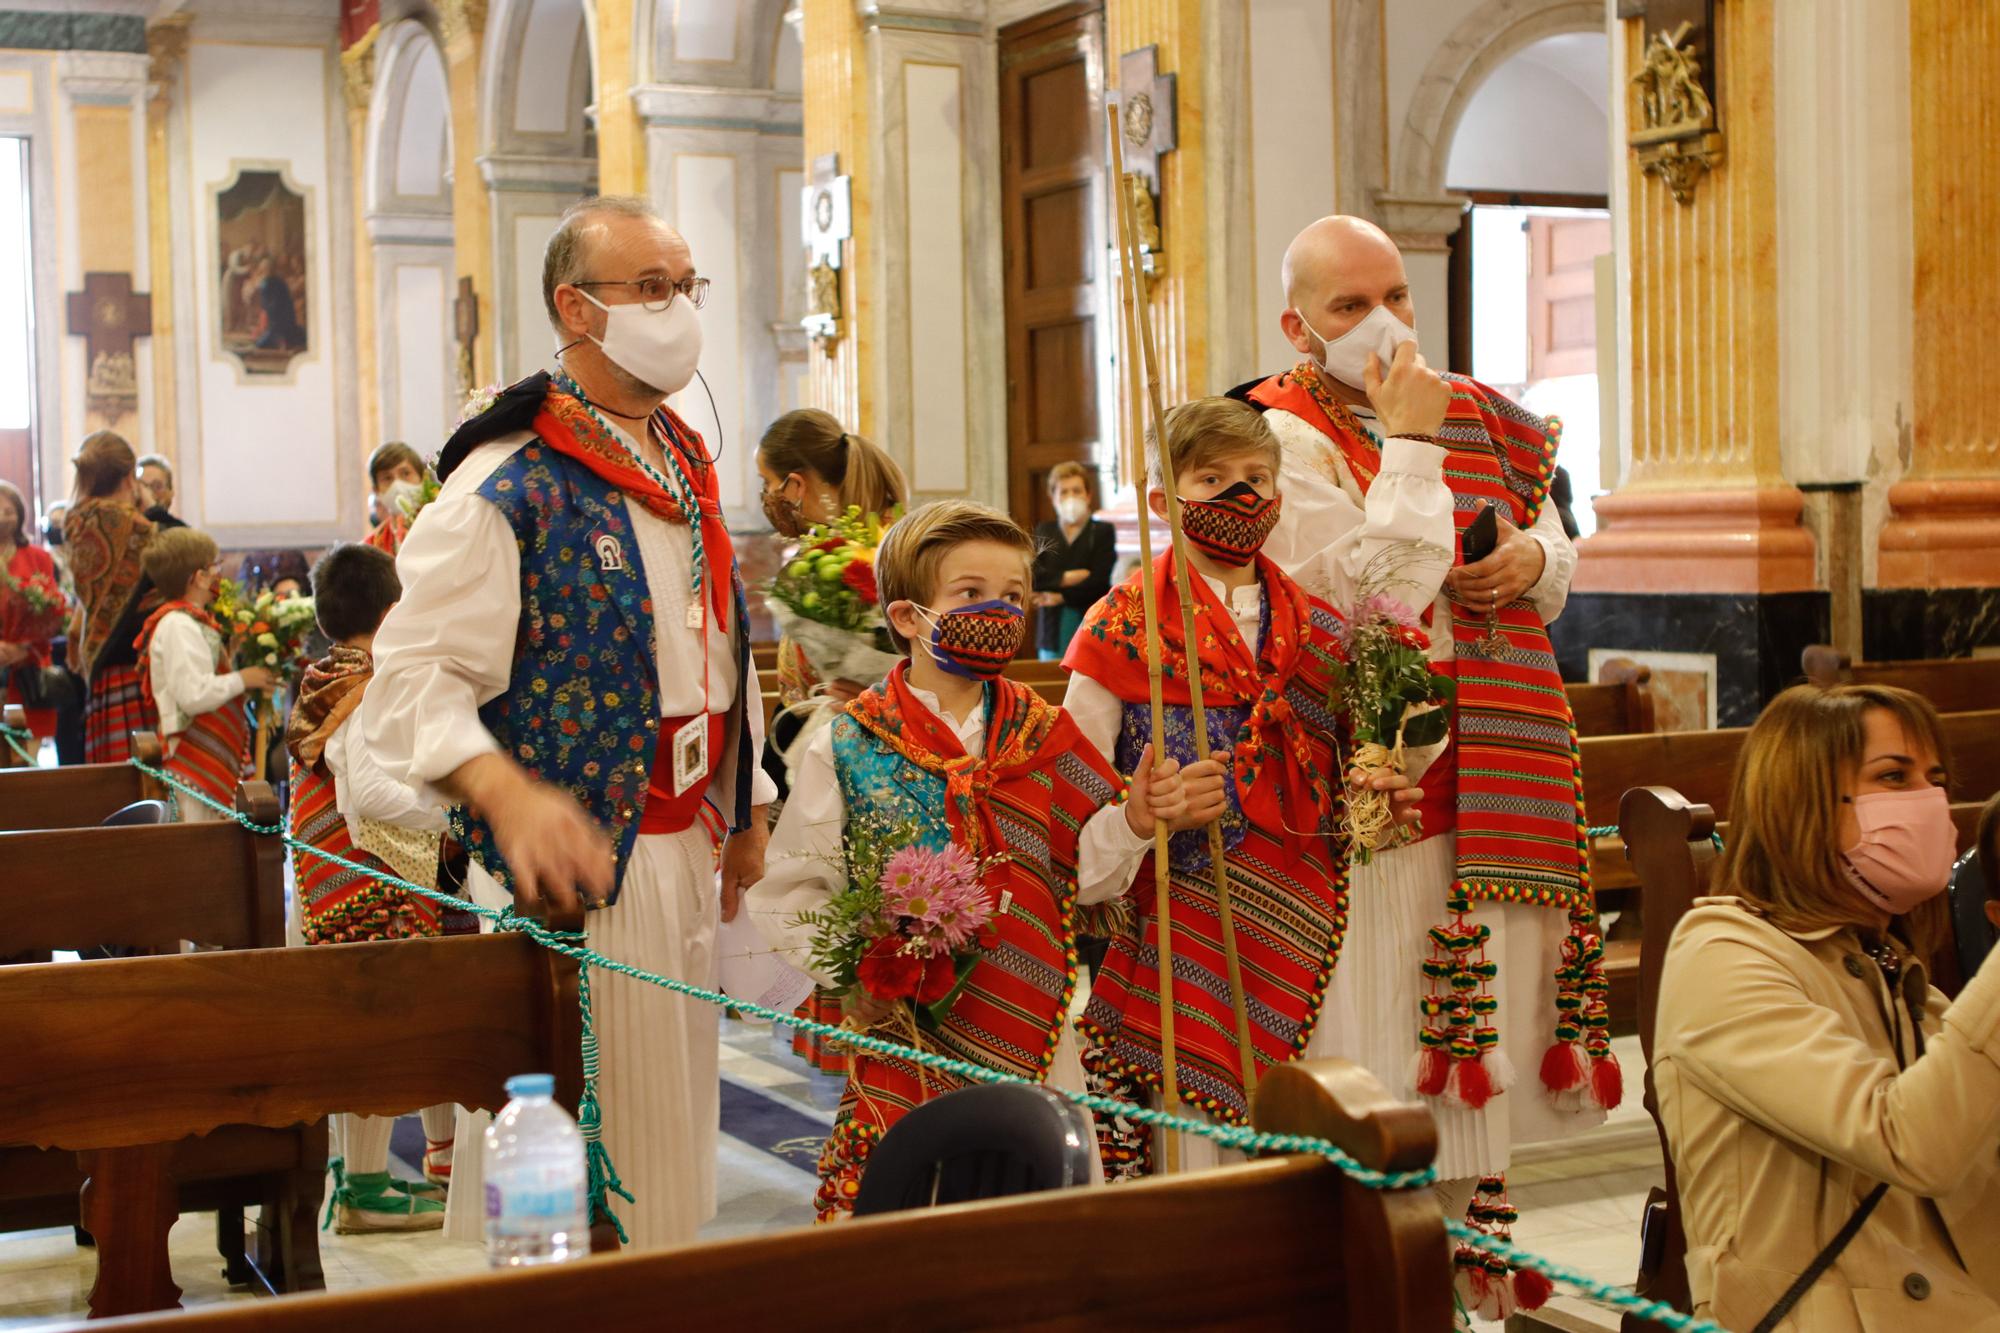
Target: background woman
column 813, row 471
column 1808, row 1075
column 1074, row 555
column 26, row 630
column 105, row 531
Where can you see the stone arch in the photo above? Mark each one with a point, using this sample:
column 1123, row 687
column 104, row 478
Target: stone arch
column 536, row 79
column 409, row 125
column 1481, row 42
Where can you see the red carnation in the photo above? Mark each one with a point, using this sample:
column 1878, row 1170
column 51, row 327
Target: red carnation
column 860, row 576
column 887, row 973
column 939, row 977
column 830, row 544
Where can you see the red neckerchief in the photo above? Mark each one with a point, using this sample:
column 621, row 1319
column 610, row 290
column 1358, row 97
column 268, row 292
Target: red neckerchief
column 1024, row 734
column 566, row 426
column 1111, row 649
column 145, row 638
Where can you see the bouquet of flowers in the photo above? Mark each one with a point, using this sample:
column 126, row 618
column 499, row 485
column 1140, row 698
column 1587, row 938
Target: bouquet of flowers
column 909, row 926
column 826, row 600
column 1392, row 698
column 264, row 630
column 409, row 506
column 38, row 607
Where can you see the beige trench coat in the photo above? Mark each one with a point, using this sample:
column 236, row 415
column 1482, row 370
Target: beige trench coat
column 1778, row 1086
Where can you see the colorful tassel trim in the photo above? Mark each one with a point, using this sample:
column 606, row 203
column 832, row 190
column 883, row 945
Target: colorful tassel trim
column 1458, row 1055
column 1579, row 1068
column 1487, row 1285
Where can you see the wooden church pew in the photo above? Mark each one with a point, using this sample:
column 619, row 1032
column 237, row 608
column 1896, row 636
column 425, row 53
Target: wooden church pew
column 1953, row 685
column 78, row 796
column 1618, row 703
column 1279, row 1243
column 1701, row 765
column 147, row 888
column 148, row 1067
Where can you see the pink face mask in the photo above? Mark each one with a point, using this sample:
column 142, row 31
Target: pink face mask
column 1907, row 847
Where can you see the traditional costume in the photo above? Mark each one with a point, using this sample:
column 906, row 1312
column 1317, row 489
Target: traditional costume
column 1266, row 661
column 104, row 537
column 343, row 804
column 808, row 654
column 1475, row 949
column 1017, row 786
column 30, row 566
column 581, row 613
column 185, row 679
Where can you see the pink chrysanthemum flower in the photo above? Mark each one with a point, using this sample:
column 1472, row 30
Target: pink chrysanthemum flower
column 1382, row 606
column 936, row 896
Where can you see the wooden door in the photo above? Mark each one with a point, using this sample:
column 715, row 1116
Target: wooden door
column 1051, row 172
column 1562, row 300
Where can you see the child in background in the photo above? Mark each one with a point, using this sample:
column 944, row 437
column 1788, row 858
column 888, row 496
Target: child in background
column 949, row 746
column 348, row 807
column 184, row 672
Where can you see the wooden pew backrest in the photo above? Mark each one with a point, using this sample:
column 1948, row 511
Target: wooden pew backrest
column 1953, row 685
column 74, row 797
column 149, row 1050
column 1670, row 843
column 1282, row 1243
column 147, row 887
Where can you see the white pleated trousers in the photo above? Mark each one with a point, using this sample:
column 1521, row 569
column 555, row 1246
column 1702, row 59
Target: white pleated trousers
column 658, row 1083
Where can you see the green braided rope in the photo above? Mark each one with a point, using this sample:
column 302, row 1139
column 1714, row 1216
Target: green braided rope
column 603, row 1178
column 1612, row 831
column 1606, row 1292
column 13, row 736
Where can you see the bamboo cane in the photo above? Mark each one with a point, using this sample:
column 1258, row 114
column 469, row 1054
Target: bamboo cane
column 1142, row 315
column 1162, row 857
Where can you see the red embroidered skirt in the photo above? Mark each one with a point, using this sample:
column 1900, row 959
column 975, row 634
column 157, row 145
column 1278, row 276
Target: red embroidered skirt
column 117, row 707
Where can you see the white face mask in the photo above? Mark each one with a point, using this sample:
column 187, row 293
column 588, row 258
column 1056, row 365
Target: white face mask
column 1346, row 357
column 659, row 348
column 1072, row 510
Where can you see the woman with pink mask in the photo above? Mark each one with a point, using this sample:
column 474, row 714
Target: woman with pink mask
column 1834, row 1120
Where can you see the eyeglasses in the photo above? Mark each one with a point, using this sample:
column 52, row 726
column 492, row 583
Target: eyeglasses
column 659, row 293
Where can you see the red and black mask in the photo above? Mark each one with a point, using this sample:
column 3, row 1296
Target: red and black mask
column 1230, row 528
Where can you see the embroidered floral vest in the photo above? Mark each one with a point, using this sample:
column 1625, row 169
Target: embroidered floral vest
column 581, row 709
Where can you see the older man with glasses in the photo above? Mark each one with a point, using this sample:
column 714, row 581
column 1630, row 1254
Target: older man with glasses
column 569, row 668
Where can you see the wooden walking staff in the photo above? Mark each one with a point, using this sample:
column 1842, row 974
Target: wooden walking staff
column 1162, row 865
column 1141, row 325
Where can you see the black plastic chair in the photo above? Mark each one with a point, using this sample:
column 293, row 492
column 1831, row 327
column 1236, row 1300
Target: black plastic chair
column 982, row 1142
column 139, row 812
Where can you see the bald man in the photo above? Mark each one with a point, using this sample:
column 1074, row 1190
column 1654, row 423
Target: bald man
column 1386, row 462
column 567, row 669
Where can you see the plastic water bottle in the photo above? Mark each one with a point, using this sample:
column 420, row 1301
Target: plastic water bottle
column 536, row 1189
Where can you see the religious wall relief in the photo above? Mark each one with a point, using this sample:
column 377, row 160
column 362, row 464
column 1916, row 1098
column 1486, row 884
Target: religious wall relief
column 263, row 251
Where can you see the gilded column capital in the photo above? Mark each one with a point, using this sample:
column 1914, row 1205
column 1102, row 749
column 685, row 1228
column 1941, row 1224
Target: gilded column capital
column 166, row 48
column 357, row 70
column 461, row 21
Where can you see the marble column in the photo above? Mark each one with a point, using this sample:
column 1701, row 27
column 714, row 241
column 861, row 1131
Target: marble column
column 1937, row 586
column 462, row 25
column 357, row 69
column 103, row 169
column 166, row 50
column 1700, row 551
column 621, row 137
column 837, row 124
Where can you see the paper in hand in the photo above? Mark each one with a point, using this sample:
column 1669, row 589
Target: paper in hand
column 752, row 972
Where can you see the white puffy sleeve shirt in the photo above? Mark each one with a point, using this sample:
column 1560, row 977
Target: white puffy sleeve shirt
column 182, row 657
column 805, row 864
column 448, row 646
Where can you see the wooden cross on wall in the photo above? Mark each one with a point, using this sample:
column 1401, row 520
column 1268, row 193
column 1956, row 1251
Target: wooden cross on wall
column 108, row 314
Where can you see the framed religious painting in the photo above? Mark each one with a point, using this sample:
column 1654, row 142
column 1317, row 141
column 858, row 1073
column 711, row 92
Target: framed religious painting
column 263, row 293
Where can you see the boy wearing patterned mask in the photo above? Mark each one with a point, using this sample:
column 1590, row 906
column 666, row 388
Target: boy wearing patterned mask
column 1267, row 650
column 950, row 746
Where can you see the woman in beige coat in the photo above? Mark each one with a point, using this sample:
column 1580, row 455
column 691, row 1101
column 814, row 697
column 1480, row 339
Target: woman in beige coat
column 1803, row 1062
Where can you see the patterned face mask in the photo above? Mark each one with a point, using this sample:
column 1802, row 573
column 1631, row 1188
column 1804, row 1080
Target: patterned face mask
column 785, row 515
column 976, row 642
column 1230, row 528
